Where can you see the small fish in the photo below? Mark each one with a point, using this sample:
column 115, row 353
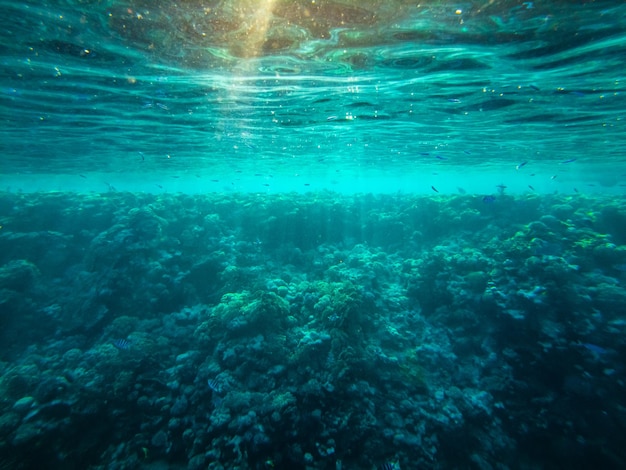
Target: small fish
column 122, row 344
column 434, row 189
column 553, row 177
column 594, row 348
column 568, row 161
column 143, row 158
column 489, row 199
column 82, row 176
column 454, row 100
column 439, row 157
column 333, row 317
column 389, row 466
column 520, row 165
column 215, row 386
column 575, row 190
column 534, row 87
column 531, row 188
column 461, row 190
column 501, row 188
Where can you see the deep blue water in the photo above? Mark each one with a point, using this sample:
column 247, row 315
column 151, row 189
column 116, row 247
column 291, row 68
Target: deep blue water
column 329, row 234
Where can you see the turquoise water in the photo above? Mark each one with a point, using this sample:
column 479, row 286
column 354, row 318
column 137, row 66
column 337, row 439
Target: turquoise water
column 340, row 95
column 329, row 234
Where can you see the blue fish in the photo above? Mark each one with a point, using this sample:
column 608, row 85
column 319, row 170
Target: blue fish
column 333, row 317
column 122, row 344
column 489, row 199
column 215, row 386
column 594, row 348
column 388, row 466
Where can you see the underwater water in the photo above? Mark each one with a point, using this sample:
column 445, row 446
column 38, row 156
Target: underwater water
column 322, row 234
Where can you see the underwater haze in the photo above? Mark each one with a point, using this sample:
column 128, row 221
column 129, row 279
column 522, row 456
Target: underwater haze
column 312, row 234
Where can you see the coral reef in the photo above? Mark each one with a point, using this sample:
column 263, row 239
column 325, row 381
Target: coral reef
column 260, row 332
